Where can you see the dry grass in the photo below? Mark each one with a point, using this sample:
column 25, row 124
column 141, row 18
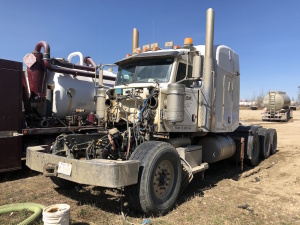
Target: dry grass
column 268, row 194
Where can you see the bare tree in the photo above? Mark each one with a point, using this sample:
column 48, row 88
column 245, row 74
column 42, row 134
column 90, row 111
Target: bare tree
column 260, row 98
column 254, row 97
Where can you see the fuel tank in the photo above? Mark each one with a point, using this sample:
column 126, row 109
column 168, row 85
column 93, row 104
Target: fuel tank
column 277, row 100
column 216, row 148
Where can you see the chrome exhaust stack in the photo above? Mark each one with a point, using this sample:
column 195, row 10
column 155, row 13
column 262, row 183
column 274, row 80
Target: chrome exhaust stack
column 208, row 68
column 135, row 40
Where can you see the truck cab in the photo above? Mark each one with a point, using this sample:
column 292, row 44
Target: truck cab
column 154, row 71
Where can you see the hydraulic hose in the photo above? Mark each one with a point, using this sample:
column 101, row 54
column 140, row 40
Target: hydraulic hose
column 37, row 210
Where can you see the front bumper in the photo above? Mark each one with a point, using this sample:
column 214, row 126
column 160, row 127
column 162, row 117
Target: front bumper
column 98, row 172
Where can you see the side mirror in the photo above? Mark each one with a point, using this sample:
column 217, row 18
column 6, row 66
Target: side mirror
column 197, row 64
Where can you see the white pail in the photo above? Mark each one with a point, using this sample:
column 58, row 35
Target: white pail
column 57, row 214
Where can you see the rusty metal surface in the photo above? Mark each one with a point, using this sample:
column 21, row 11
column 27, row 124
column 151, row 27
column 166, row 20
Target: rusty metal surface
column 37, row 76
column 242, row 152
column 10, row 153
column 98, row 172
column 10, row 114
column 10, row 96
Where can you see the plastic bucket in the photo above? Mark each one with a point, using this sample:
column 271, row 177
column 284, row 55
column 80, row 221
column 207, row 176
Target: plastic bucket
column 57, row 214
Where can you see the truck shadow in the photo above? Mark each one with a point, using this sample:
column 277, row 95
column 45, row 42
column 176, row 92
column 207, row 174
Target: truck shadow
column 17, row 174
column 218, row 171
column 110, row 200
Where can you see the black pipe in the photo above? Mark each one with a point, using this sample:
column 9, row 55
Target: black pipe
column 26, row 94
column 85, row 71
column 89, row 61
column 49, row 102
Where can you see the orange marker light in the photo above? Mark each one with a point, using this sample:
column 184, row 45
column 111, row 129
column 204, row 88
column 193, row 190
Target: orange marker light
column 146, row 48
column 188, row 41
column 128, row 55
column 137, row 50
column 155, row 48
column 176, row 47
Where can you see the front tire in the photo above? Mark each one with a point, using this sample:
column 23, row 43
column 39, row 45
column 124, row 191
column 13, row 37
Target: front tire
column 159, row 178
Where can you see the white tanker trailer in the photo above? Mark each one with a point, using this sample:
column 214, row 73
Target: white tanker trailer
column 276, row 107
column 50, row 97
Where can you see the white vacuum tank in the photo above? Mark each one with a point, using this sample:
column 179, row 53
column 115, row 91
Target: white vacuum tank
column 74, row 92
column 71, row 93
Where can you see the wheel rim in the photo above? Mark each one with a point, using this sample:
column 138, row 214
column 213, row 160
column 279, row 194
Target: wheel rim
column 163, row 179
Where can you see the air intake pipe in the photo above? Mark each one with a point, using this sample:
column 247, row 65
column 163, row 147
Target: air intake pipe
column 208, row 68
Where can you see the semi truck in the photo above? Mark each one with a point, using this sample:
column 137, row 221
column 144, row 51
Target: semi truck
column 293, row 105
column 277, row 107
column 252, row 105
column 49, row 97
column 171, row 113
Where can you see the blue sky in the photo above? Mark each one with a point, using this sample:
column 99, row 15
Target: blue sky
column 265, row 34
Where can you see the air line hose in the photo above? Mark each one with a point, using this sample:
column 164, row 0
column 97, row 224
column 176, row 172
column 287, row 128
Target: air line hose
column 33, row 207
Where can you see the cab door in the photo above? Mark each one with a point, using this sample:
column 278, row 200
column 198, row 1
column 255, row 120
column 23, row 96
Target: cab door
column 190, row 102
column 227, row 100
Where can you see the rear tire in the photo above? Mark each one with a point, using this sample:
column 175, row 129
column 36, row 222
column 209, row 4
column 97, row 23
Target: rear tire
column 265, row 143
column 254, row 143
column 159, row 178
column 273, row 135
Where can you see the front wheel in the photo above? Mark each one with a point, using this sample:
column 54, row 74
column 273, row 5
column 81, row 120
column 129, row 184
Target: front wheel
column 159, row 178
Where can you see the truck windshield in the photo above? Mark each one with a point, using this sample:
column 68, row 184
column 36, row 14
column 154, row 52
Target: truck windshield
column 145, row 71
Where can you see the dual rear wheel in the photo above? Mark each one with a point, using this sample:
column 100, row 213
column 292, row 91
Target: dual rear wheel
column 263, row 143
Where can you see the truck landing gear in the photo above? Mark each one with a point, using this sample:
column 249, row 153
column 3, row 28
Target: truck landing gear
column 159, row 178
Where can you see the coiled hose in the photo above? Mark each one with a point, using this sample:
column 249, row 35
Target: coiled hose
column 33, row 207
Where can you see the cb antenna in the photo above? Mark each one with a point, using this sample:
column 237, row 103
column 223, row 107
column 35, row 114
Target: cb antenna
column 99, row 41
column 153, row 31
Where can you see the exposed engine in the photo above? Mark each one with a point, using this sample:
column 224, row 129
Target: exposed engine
column 117, row 143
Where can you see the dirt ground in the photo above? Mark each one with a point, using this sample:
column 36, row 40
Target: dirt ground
column 266, row 194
